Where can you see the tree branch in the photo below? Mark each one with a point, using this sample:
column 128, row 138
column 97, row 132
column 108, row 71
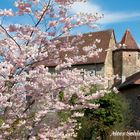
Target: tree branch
column 11, row 37
column 39, row 20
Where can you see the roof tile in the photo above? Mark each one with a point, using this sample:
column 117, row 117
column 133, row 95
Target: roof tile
column 129, row 41
column 89, row 39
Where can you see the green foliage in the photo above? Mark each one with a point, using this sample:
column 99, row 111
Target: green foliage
column 93, row 89
column 61, row 95
column 73, row 99
column 1, row 121
column 64, row 115
column 111, row 115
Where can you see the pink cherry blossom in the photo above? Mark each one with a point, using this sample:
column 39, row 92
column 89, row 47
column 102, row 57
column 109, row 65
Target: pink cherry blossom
column 29, row 92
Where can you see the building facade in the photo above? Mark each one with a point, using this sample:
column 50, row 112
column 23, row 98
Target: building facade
column 126, row 58
column 122, row 59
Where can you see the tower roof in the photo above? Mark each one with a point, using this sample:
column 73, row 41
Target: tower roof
column 128, row 41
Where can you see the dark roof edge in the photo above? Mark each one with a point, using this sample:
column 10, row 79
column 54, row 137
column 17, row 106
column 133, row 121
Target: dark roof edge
column 137, row 50
column 98, row 63
column 121, row 88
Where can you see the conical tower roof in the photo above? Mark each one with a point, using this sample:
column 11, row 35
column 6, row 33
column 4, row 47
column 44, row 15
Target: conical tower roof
column 128, row 41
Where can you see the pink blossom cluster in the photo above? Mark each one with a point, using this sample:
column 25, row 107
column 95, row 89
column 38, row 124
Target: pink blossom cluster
column 29, row 92
column 6, row 12
column 68, row 2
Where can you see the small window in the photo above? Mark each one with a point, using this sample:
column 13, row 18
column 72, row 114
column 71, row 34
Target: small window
column 129, row 55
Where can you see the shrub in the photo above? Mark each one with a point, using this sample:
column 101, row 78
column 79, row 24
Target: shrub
column 111, row 115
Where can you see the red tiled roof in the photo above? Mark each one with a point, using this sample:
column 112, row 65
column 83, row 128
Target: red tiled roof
column 129, row 41
column 89, row 39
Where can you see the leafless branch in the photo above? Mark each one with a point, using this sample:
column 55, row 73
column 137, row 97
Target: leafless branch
column 39, row 20
column 11, row 37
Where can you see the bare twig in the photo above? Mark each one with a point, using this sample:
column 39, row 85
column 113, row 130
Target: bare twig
column 39, row 20
column 11, row 37
column 29, row 105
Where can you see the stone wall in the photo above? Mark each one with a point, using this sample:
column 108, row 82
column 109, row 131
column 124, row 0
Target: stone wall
column 125, row 63
column 130, row 63
column 95, row 69
column 132, row 95
column 109, row 72
column 138, row 60
column 117, row 62
column 117, row 65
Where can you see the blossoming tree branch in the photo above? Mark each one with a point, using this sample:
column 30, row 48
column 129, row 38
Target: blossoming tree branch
column 28, row 91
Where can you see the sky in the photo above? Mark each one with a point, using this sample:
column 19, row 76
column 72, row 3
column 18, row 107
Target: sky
column 118, row 15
